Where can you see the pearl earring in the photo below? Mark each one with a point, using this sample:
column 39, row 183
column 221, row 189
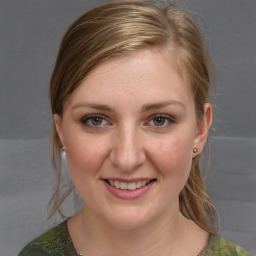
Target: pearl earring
column 194, row 150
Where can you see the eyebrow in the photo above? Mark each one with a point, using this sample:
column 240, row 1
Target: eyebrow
column 159, row 105
column 144, row 108
column 93, row 105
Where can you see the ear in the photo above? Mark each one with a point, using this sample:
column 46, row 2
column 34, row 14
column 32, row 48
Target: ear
column 202, row 129
column 58, row 121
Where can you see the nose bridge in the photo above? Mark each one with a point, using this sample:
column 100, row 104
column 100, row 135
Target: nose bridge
column 127, row 152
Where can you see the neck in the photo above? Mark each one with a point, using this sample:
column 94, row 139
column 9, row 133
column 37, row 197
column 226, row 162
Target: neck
column 162, row 236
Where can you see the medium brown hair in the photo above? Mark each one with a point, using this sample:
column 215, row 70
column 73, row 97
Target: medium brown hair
column 124, row 26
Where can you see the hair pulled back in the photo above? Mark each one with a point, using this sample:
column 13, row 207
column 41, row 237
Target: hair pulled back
column 118, row 28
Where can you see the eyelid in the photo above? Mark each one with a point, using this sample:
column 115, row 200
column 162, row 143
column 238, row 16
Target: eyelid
column 85, row 118
column 169, row 118
column 162, row 115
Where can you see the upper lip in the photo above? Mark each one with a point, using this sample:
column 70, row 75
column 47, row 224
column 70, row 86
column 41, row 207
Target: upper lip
column 128, row 180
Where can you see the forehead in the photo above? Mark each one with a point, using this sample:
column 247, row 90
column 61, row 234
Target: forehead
column 144, row 74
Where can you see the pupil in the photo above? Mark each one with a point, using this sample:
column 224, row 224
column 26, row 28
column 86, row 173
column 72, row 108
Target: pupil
column 159, row 121
column 97, row 120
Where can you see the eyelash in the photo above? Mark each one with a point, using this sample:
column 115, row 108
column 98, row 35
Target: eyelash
column 89, row 118
column 84, row 120
column 169, row 119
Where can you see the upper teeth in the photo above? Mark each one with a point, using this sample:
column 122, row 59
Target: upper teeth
column 128, row 185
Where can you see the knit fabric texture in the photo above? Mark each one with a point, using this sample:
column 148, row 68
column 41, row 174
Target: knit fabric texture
column 58, row 242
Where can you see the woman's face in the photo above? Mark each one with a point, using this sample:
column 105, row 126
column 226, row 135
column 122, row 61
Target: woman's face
column 129, row 130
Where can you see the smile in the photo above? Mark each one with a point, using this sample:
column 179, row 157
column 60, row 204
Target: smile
column 128, row 185
column 133, row 189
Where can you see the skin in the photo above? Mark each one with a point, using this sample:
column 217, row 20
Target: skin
column 129, row 141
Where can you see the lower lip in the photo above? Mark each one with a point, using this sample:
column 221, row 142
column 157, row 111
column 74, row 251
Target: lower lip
column 129, row 194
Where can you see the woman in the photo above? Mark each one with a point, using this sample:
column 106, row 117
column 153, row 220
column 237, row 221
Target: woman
column 130, row 100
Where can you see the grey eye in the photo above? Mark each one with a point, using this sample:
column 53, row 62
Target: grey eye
column 159, row 121
column 96, row 120
column 93, row 121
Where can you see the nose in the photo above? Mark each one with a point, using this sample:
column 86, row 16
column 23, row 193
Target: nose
column 127, row 151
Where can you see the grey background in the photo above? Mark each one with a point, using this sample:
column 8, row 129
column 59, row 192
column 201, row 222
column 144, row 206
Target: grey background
column 30, row 32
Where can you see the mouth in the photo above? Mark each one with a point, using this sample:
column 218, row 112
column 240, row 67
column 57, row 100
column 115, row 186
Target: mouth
column 122, row 185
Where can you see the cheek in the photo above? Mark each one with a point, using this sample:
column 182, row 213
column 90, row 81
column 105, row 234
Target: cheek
column 172, row 156
column 85, row 155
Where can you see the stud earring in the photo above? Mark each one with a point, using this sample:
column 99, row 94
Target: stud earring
column 63, row 153
column 194, row 150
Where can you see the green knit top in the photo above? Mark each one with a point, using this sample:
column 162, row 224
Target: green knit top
column 58, row 242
